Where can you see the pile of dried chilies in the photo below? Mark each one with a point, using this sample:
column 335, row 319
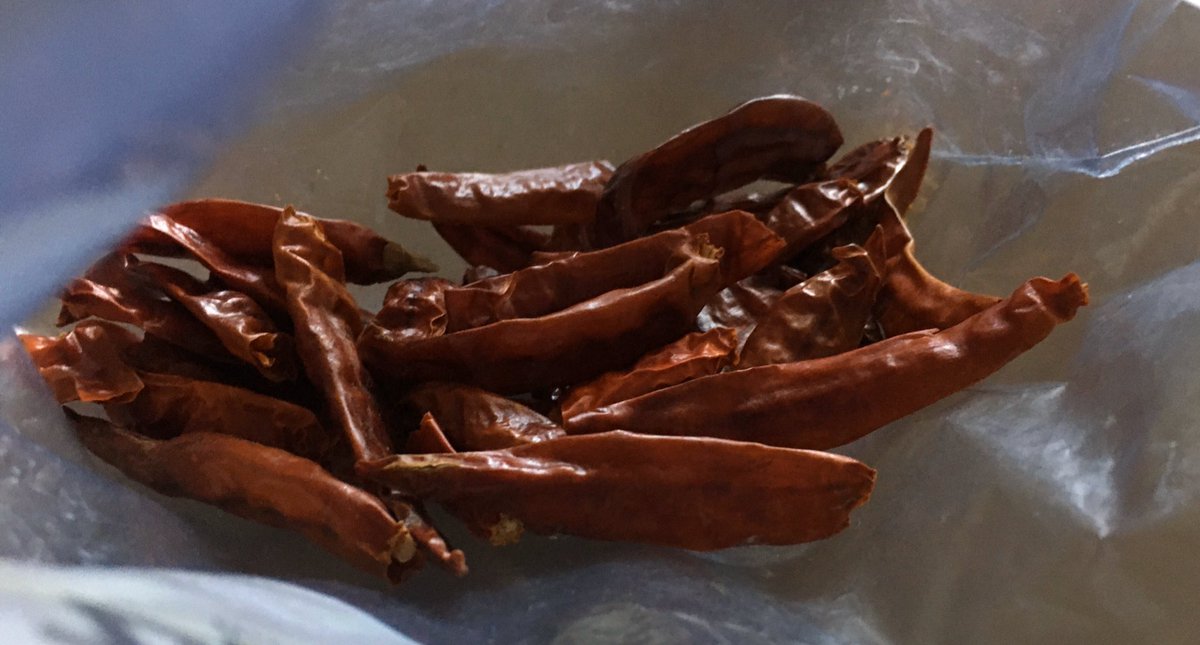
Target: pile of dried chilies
column 647, row 353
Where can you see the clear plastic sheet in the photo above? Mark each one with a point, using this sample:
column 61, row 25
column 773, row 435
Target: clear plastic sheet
column 1055, row 502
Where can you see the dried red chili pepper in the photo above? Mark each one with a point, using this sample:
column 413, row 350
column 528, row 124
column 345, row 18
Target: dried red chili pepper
column 539, row 196
column 475, row 419
column 428, row 539
column 255, row 281
column 244, row 231
column 415, row 308
column 85, row 364
column 263, row 484
column 740, row 306
column 589, row 338
column 327, row 320
column 671, row 491
column 811, row 212
column 831, row 401
column 503, row 248
column 891, row 167
column 428, row 438
column 238, row 322
column 911, row 298
column 109, row 293
column 782, row 138
column 822, row 316
column 170, row 405
column 747, row 246
column 695, row 355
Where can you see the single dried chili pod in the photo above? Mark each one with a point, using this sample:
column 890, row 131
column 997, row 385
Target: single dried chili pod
column 109, row 292
column 475, row 419
column 687, row 492
column 567, row 193
column 893, row 168
column 811, row 212
column 254, row 280
column 170, row 405
column 540, row 353
column 695, row 355
column 822, row 316
column 263, row 484
column 911, row 298
column 237, row 320
column 327, row 321
column 782, row 138
column 828, row 402
column 415, row 308
column 504, row 248
column 85, row 364
column 740, row 306
column 244, row 231
column 747, row 247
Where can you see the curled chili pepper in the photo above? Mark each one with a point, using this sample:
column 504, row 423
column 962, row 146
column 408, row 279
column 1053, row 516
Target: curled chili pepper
column 263, row 484
column 671, row 491
column 170, row 405
column 254, row 280
column 522, row 354
column 326, row 321
column 782, row 138
column 554, row 195
column 822, row 316
column 695, row 355
column 475, row 419
column 237, row 320
column 110, row 293
column 828, row 402
column 911, row 298
column 85, row 363
column 243, row 231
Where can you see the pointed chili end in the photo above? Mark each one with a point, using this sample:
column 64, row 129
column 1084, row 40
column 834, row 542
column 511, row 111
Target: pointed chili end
column 398, row 260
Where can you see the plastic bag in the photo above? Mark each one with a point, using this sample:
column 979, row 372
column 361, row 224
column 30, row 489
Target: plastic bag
column 1054, row 502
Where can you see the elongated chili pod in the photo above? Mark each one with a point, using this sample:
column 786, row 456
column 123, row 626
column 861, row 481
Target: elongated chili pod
column 746, row 247
column 811, row 212
column 911, row 298
column 475, row 419
column 85, row 363
column 254, row 280
column 822, row 316
column 567, row 193
column 109, row 292
column 244, row 231
column 327, row 321
column 695, row 355
column 828, row 402
column 586, row 339
column 502, row 248
column 428, row 438
column 739, row 306
column 263, row 484
column 170, row 405
column 893, row 168
column 236, row 319
column 671, row 491
column 783, row 138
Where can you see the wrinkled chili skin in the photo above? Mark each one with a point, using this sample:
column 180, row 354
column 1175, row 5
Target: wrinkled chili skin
column 893, row 168
column 327, row 321
column 670, row 491
column 812, row 212
column 475, row 419
column 782, row 138
column 109, row 292
column 740, row 306
column 568, row 346
column 428, row 438
column 746, row 247
column 263, row 484
column 828, row 402
column 85, row 363
column 242, row 326
column 695, row 355
column 911, row 298
column 822, row 316
column 244, row 231
column 170, row 405
column 554, row 195
column 256, row 281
